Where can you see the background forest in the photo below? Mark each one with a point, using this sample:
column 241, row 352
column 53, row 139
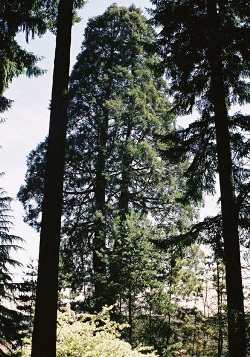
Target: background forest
column 139, row 271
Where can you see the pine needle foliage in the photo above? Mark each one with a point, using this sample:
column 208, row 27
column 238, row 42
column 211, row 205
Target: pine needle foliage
column 8, row 244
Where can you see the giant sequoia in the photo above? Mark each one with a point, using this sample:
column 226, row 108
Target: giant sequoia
column 117, row 102
column 117, row 112
column 205, row 45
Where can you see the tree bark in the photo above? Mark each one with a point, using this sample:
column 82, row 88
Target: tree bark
column 44, row 334
column 235, row 300
column 219, row 311
column 99, row 240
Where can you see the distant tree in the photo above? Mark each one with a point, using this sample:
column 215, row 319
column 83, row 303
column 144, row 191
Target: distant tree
column 25, row 300
column 135, row 269
column 9, row 318
column 206, row 52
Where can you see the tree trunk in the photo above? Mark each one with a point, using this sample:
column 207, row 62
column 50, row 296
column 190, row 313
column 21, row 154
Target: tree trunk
column 99, row 264
column 123, row 204
column 235, row 303
column 44, row 335
column 219, row 312
column 130, row 316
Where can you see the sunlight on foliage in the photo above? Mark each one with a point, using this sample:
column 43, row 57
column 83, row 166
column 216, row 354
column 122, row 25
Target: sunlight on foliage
column 91, row 335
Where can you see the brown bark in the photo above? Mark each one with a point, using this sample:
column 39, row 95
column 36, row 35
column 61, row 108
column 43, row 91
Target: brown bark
column 44, row 335
column 235, row 302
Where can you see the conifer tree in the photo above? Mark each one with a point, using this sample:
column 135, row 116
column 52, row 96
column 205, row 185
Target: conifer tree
column 205, row 48
column 25, row 300
column 135, row 271
column 116, row 111
column 9, row 318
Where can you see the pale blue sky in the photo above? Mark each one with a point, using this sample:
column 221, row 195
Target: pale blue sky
column 27, row 122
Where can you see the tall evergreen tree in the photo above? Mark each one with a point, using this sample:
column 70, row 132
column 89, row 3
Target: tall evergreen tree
column 206, row 51
column 117, row 105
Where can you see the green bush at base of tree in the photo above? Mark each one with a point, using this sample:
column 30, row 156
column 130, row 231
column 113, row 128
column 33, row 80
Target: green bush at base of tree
column 90, row 335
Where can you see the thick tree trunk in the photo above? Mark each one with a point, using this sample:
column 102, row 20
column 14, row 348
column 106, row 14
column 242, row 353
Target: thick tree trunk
column 235, row 301
column 44, row 335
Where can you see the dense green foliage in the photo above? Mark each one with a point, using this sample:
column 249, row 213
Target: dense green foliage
column 117, row 112
column 190, row 77
column 189, row 71
column 25, row 296
column 33, row 18
column 9, row 318
column 114, row 176
column 130, row 176
column 180, row 313
column 205, row 49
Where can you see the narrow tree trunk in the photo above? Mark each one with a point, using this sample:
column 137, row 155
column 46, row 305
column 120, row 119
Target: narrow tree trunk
column 235, row 303
column 130, row 316
column 123, row 204
column 194, row 335
column 44, row 335
column 219, row 305
column 170, row 285
column 99, row 265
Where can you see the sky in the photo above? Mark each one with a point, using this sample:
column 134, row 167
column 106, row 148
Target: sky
column 27, row 121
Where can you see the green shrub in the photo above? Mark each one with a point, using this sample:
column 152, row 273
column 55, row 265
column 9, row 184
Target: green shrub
column 91, row 335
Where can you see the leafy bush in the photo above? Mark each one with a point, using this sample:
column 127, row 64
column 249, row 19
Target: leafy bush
column 91, row 335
